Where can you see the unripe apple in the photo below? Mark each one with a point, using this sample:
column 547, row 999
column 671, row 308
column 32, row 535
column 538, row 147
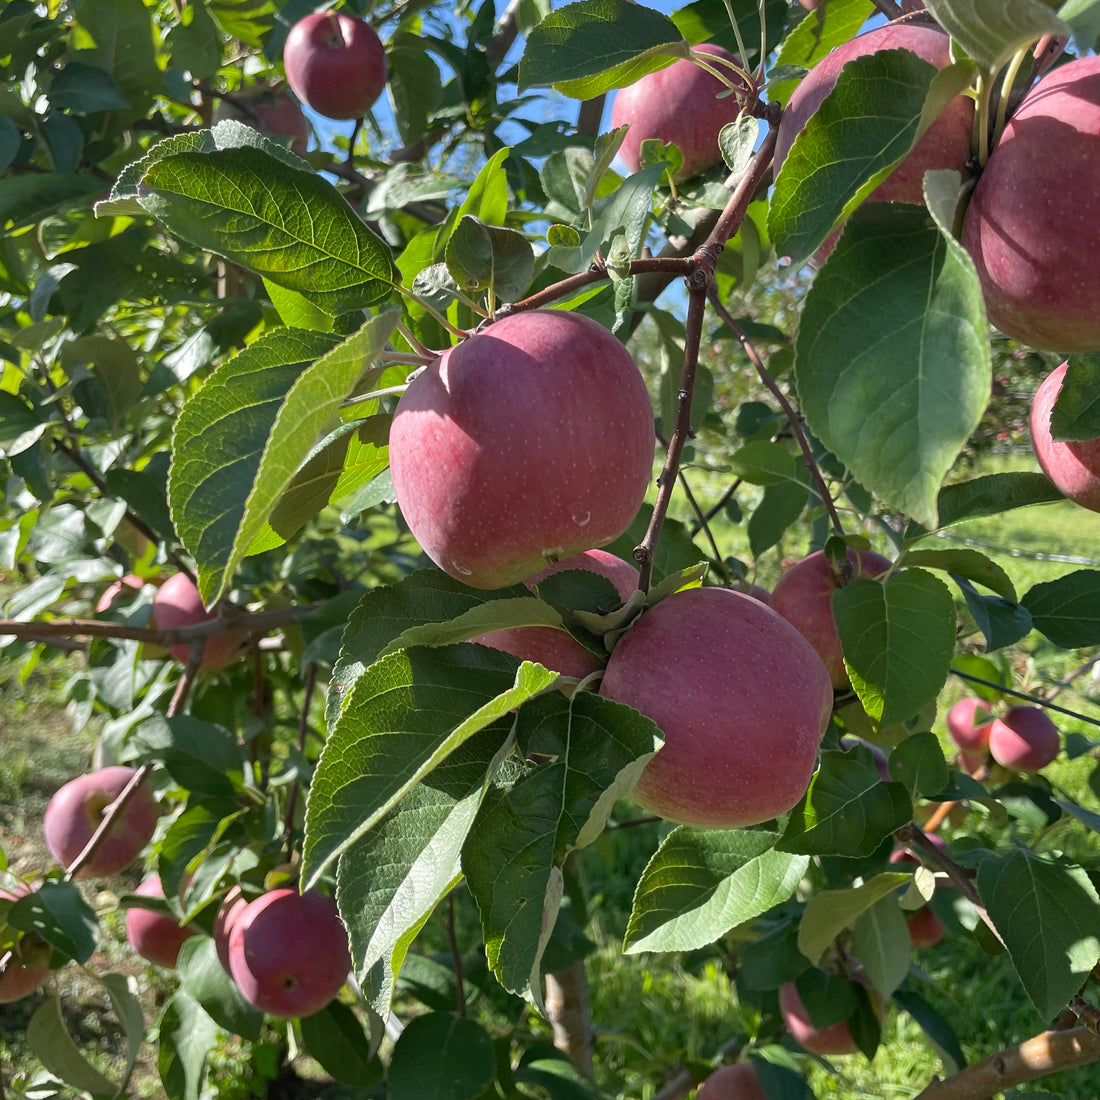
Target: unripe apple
column 678, row 104
column 29, row 965
column 742, row 699
column 1032, row 227
column 153, row 935
column 335, row 64
column 736, row 1082
column 804, row 597
column 834, row 1039
column 288, row 952
column 272, row 111
column 1024, row 738
column 521, row 446
column 178, row 604
column 925, row 928
column 75, row 811
column 968, row 723
column 233, row 905
column 1073, row 466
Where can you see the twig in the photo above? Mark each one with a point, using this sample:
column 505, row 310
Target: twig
column 747, row 184
column 1038, row 700
column 1080, row 670
column 590, row 115
column 890, row 8
column 303, row 733
column 456, row 957
column 723, row 500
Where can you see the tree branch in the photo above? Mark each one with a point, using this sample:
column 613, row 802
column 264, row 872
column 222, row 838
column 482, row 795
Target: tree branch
column 1038, row 700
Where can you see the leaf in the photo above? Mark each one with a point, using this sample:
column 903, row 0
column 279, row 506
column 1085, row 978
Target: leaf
column 186, row 1036
column 84, row 89
column 26, row 200
column 966, row 563
column 991, row 31
column 21, row 426
column 588, row 48
column 557, row 1076
column 118, row 37
column 205, row 981
column 488, row 257
column 827, row 914
column 989, row 496
column 897, row 638
column 737, row 141
column 1084, row 17
column 58, row 912
column 334, row 1037
column 779, row 508
column 442, row 1056
column 1048, row 915
column 49, row 1039
column 918, row 764
column 127, row 1009
column 880, row 940
column 1067, row 610
column 848, row 810
column 1076, row 412
column 935, row 1026
column 1001, row 622
column 201, row 757
column 700, row 883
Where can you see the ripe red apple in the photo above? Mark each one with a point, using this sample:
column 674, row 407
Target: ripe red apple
column 742, row 699
column 288, row 952
column 116, row 590
column 177, row 604
column 1024, row 738
column 925, row 928
column 29, row 965
column 834, row 1039
column 809, row 5
column 1031, row 226
column 233, row 905
column 736, row 1082
column 153, row 935
column 1072, row 465
column 968, row 723
column 75, row 811
column 677, row 104
column 522, row 445
column 272, row 111
column 804, row 598
column 335, row 64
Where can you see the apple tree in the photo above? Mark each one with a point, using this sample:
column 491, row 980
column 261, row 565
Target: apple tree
column 398, row 487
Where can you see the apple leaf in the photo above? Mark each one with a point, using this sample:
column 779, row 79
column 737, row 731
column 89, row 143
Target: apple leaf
column 49, row 1039
column 779, row 507
column 186, row 1036
column 588, row 48
column 700, row 883
column 966, row 563
column 895, row 390
column 1048, row 914
column 1076, row 412
column 555, row 1075
column 991, row 31
column 489, row 257
column 403, row 717
column 1084, row 17
column 335, row 1039
column 1000, row 622
column 989, row 495
column 827, row 914
column 939, row 1032
column 443, row 1056
column 918, row 764
column 58, row 912
column 1067, row 610
column 880, row 940
column 848, row 810
column 764, row 463
column 203, row 978
column 524, row 832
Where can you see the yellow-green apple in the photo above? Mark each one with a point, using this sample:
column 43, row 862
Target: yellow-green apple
column 29, row 965
column 1024, row 738
column 178, row 604
column 678, row 104
column 76, row 810
column 288, row 952
column 925, row 928
column 1031, row 226
column 833, row 1039
column 153, row 935
column 272, row 111
column 736, row 1082
column 968, row 723
column 233, row 905
column 522, row 445
column 335, row 64
column 1072, row 465
column 742, row 699
column 804, row 597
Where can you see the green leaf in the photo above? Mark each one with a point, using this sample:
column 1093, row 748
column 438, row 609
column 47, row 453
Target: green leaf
column 880, row 940
column 1084, row 17
column 898, row 639
column 118, row 37
column 892, row 361
column 1000, row 622
column 127, row 1009
column 588, row 48
column 27, row 200
column 193, row 44
column 966, row 563
column 1076, row 412
column 918, row 764
column 848, row 810
column 414, row 85
column 205, row 981
column 991, row 31
column 201, row 757
column 779, row 508
column 49, row 1039
column 401, row 719
column 58, row 912
column 737, row 141
column 21, row 426
column 700, row 883
column 486, row 257
column 827, row 914
column 84, row 89
column 989, row 495
column 187, row 1036
column 115, row 366
column 935, row 1026
column 334, row 1037
column 442, row 1056
column 1048, row 915
column 556, row 1075
column 766, row 463
column 1067, row 610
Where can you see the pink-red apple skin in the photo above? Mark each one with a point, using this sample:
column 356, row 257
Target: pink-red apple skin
column 743, row 701
column 736, row 1082
column 272, row 111
column 834, row 1039
column 1073, row 466
column 288, row 952
column 677, row 104
column 1031, row 226
column 553, row 648
column 116, row 590
column 30, row 963
column 1024, row 738
column 804, row 598
column 153, row 935
column 178, row 604
column 523, row 445
column 968, row 723
column 76, row 809
column 925, row 928
column 233, row 905
column 335, row 64
column 973, row 763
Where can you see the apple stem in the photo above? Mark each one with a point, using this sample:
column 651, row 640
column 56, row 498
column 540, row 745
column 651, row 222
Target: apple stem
column 1007, row 80
column 890, row 8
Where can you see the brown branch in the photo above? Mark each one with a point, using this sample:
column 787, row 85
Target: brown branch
column 590, row 115
column 890, row 8
column 685, row 1080
column 567, row 1010
column 746, row 187
column 504, row 34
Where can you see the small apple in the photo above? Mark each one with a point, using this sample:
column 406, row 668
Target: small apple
column 1024, row 738
column 678, row 104
column 968, row 723
column 288, row 952
column 335, row 64
column 743, row 701
column 272, row 111
column 522, row 445
column 178, row 604
column 116, row 590
column 925, row 928
column 77, row 808
column 153, row 935
column 810, row 5
column 233, row 905
column 804, row 598
column 29, row 965
column 736, row 1082
column 834, row 1039
column 1073, row 466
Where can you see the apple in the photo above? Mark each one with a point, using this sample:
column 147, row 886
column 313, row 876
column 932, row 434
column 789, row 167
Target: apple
column 968, row 724
column 557, row 650
column 804, row 597
column 178, row 604
column 1073, row 466
column 116, row 590
column 1024, row 738
column 810, row 5
column 29, row 965
column 272, row 111
column 153, row 935
column 925, row 928
column 973, row 763
column 233, row 905
column 77, row 808
column 834, row 1039
column 523, row 445
column 1031, row 226
column 743, row 701
column 335, row 64
column 677, row 104
column 736, row 1082
column 288, row 952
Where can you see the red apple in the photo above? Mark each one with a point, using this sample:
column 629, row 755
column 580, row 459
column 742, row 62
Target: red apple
column 973, row 763
column 178, row 604
column 116, row 590
column 677, row 104
column 804, row 598
column 522, row 445
column 834, row 1039
column 288, row 952
column 272, row 111
column 809, row 5
column 925, row 928
column 736, row 1082
column 742, row 699
column 968, row 723
column 29, row 965
column 554, row 648
column 153, row 935
column 1024, row 738
column 75, row 811
column 1031, row 226
column 233, row 905
column 335, row 64
column 1072, row 465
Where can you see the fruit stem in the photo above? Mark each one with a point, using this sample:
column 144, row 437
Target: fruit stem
column 981, row 116
column 741, row 51
column 717, row 73
column 441, row 318
column 1007, row 81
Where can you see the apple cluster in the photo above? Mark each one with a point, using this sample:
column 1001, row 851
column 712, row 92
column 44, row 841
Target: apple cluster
column 1023, row 738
